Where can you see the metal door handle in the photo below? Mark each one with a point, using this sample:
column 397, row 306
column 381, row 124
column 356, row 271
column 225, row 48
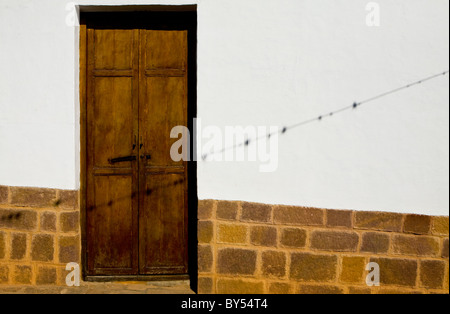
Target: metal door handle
column 146, row 157
column 121, row 159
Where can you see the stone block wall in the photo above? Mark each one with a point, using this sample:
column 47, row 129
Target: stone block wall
column 39, row 235
column 260, row 248
column 244, row 247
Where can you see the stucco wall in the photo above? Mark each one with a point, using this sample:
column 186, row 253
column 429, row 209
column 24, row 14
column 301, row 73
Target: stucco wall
column 260, row 63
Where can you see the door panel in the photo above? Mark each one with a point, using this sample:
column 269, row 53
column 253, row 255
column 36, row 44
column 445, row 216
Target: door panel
column 113, row 114
column 162, row 224
column 113, row 49
column 166, row 98
column 165, row 49
column 112, row 222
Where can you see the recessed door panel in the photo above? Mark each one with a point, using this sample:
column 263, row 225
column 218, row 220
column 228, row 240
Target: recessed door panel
column 113, row 49
column 113, row 115
column 162, row 224
column 112, row 223
column 166, row 97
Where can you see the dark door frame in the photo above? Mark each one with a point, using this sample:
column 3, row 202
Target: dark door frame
column 161, row 17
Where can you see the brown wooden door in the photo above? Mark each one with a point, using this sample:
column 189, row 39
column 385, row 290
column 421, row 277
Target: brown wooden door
column 136, row 200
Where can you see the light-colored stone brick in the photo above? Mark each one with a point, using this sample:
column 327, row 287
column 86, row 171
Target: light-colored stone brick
column 232, row 233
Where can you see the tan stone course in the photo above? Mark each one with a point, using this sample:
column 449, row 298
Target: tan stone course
column 243, row 247
column 259, row 248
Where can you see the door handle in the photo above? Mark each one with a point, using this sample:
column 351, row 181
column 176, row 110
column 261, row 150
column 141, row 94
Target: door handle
column 146, row 157
column 121, row 159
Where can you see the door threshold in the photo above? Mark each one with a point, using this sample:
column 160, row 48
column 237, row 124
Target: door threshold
column 137, row 278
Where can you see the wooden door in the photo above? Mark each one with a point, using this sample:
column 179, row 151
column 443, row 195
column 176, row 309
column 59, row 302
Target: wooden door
column 136, row 195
